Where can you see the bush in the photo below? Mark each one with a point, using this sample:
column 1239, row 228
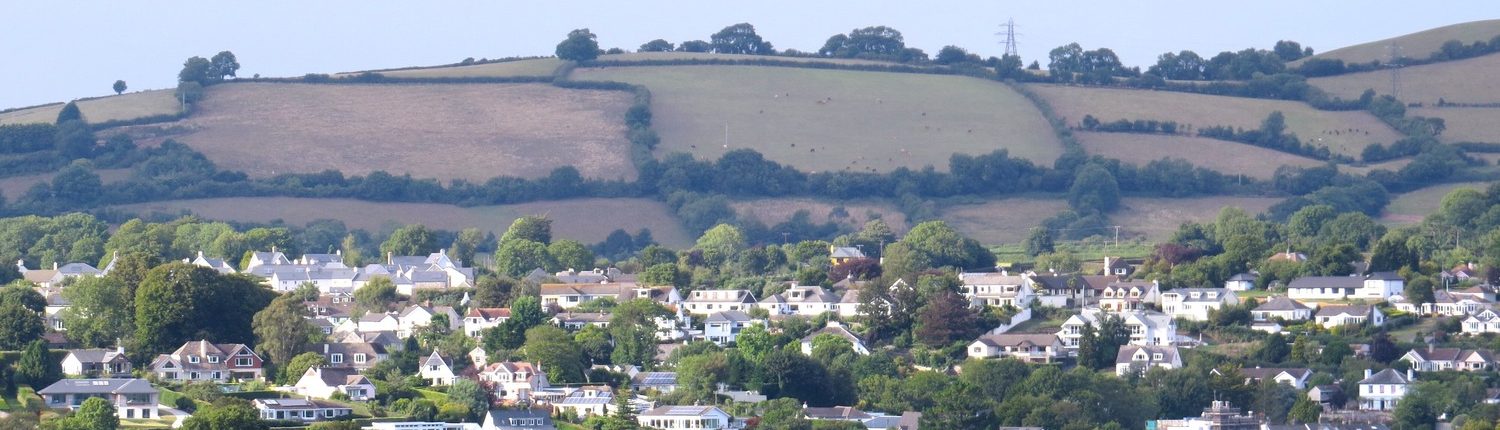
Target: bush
column 185, row 404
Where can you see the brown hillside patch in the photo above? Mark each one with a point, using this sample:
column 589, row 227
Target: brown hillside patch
column 1156, row 218
column 531, row 67
column 1003, row 220
column 584, row 220
column 16, row 186
column 1465, row 124
column 113, row 108
column 1232, row 158
column 444, row 131
column 773, row 211
column 1471, row 80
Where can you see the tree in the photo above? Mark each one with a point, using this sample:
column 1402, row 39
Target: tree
column 227, row 414
column 1094, row 190
column 101, row 311
column 519, row 256
column 1039, row 241
column 466, row 246
column 1419, row 290
column 740, row 39
column 377, row 294
column 581, row 45
column 196, row 69
column 657, row 45
column 570, row 254
column 94, row 414
column 698, row 376
column 720, row 243
column 281, row 331
column 414, row 239
column 945, row 319
column 553, row 346
column 664, row 274
column 120, row 87
column 1290, row 51
column 292, row 370
column 36, row 366
column 959, row 406
column 525, row 313
column 18, row 326
column 69, row 112
column 178, row 302
column 1305, row 411
column 694, row 46
column 1272, row 349
column 533, row 228
column 624, row 416
column 468, row 393
column 632, row 325
column 493, row 291
column 223, row 64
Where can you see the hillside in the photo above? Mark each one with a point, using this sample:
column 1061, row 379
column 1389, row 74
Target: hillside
column 1232, row 158
column 1465, row 124
column 1470, row 80
column 1415, row 45
column 670, row 56
column 1410, row 207
column 111, row 108
column 820, row 120
column 445, row 131
column 1198, row 111
column 578, row 219
column 503, row 69
column 773, row 211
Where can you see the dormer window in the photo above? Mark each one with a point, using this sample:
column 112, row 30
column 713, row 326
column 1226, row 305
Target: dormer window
column 1157, row 357
column 336, row 358
column 213, row 359
column 360, row 358
column 192, row 359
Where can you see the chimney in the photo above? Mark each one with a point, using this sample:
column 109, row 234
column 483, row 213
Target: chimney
column 1410, row 376
column 21, row 264
column 325, row 352
column 390, row 258
column 54, row 265
column 1367, row 373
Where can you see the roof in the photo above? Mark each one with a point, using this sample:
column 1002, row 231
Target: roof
column 991, row 278
column 351, row 348
column 1243, row 277
column 1438, row 354
column 75, row 269
column 1271, row 372
column 501, row 416
column 297, row 404
column 1204, row 294
column 437, row 359
column 716, row 296
column 683, row 411
column 99, row 386
column 835, row 413
column 728, row 316
column 1282, row 303
column 1351, row 310
column 846, row 252
column 1073, row 282
column 39, row 276
column 999, row 340
column 488, row 313
column 1387, row 376
column 1327, row 282
column 1127, row 352
column 655, row 379
column 1385, row 276
column 95, row 355
column 836, row 330
column 336, row 376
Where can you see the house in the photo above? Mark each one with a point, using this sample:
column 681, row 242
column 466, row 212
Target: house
column 1432, row 359
column 52, row 312
column 1120, row 296
column 1068, row 290
column 576, row 320
column 132, row 398
column 378, row 322
column 1240, row 282
column 435, row 271
column 844, row 254
column 334, row 307
column 1330, row 316
column 1031, row 348
column 518, row 419
column 328, row 279
column 1295, row 377
column 1116, row 266
column 417, row 316
column 801, row 300
column 479, row 357
column 836, row 413
column 1146, row 327
column 1484, row 292
column 663, row 382
column 848, row 305
column 1283, row 308
column 476, row 320
column 386, row 340
column 1444, row 303
column 1461, row 272
column 586, row 401
column 835, row 328
column 1288, row 255
column 97, row 363
column 723, row 327
column 1330, row 396
column 323, row 382
column 704, row 302
column 56, row 275
column 304, row 410
column 352, row 355
column 996, row 289
column 1381, row 391
column 437, row 369
column 514, row 381
column 568, row 296
column 593, row 276
column 1138, row 359
column 1195, row 304
column 272, row 258
column 1485, row 321
column 1376, row 286
column 420, row 425
column 218, row 264
column 686, row 418
column 204, row 361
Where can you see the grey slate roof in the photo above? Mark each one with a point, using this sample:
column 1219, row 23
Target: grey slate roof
column 99, row 386
column 1327, row 282
column 1387, row 376
column 1282, row 304
column 728, row 316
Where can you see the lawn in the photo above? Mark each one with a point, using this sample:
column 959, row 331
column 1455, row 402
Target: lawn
column 113, row 108
column 1465, row 124
column 159, row 423
column 1194, row 111
column 1232, row 158
column 775, row 210
column 504, row 69
column 444, row 131
column 1410, row 207
column 1415, row 45
column 822, row 120
column 579, row 219
column 1465, row 81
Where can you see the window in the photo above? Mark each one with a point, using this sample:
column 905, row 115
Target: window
column 336, row 358
column 192, row 359
column 243, row 362
column 192, row 375
column 1156, row 357
column 213, row 359
column 307, row 414
column 217, row 375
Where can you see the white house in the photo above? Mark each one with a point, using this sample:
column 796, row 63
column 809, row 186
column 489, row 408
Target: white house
column 1140, row 358
column 686, row 418
column 132, row 398
column 518, row 419
column 323, row 382
column 1296, row 377
column 1444, row 303
column 1330, row 316
column 1432, row 359
column 801, row 300
column 586, row 401
column 1240, row 282
column 1376, row 286
column 218, row 264
column 304, row 410
column 1283, row 308
column 514, row 381
column 437, row 369
column 836, row 329
column 996, row 289
column 47, row 278
column 1120, row 296
column 1485, row 321
column 97, row 363
column 723, row 327
column 1381, row 391
column 705, row 302
column 416, row 316
column 1194, row 304
column 1146, row 327
column 476, row 320
column 568, row 296
column 1031, row 348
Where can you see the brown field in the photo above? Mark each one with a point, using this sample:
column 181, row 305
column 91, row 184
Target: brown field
column 1415, row 45
column 1157, row 218
column 1002, row 220
column 656, row 56
column 1198, row 110
column 773, row 211
column 1465, row 81
column 531, row 67
column 1465, row 124
column 822, row 120
column 573, row 219
column 1491, row 159
column 1410, row 207
column 1392, row 165
column 113, row 108
column 1225, row 157
column 16, row 186
column 444, row 131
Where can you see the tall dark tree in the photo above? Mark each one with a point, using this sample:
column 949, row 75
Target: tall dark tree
column 581, row 45
column 69, row 112
column 120, row 87
column 946, row 318
column 1039, row 242
column 1094, row 190
column 281, row 331
column 36, row 365
column 196, row 69
column 658, row 45
column 223, row 64
column 18, row 326
column 740, row 39
column 414, row 239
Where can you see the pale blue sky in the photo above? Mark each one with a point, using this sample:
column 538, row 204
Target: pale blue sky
column 60, row 50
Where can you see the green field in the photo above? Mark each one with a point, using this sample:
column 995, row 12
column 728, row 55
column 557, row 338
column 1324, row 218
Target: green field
column 1198, row 111
column 664, row 56
column 1415, row 45
column 529, row 67
column 1157, row 218
column 822, row 120
column 1465, row 124
column 1410, row 207
column 775, row 210
column 113, row 108
column 1000, row 220
column 16, row 186
column 1465, row 81
column 1233, row 158
column 586, row 220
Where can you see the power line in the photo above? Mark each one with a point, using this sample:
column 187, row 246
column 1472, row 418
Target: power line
column 1010, row 36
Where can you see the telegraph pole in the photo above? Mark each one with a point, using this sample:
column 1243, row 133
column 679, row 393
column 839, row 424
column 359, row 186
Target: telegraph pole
column 1117, row 236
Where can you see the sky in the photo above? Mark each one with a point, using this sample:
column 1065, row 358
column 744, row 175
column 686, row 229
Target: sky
column 54, row 51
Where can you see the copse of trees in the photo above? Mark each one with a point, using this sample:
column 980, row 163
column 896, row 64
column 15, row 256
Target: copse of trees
column 740, row 39
column 874, row 43
column 209, row 71
column 580, row 45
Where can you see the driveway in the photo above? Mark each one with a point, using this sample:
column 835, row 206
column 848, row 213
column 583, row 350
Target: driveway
column 167, row 410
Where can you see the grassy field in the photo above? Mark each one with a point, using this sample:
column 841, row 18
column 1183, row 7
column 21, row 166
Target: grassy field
column 1392, row 165
column 1415, row 45
column 772, row 211
column 1465, row 124
column 530, row 67
column 1002, row 220
column 457, row 131
column 822, row 120
column 112, row 108
column 1410, row 207
column 1156, row 218
column 659, row 56
column 14, row 187
column 1226, row 157
column 1465, row 81
column 574, row 219
column 1198, row 110
column 1093, row 253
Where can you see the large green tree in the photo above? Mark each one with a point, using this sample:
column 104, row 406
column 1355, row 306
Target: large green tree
column 178, row 302
column 581, row 45
column 555, row 347
column 570, row 254
column 632, row 325
column 1094, row 190
column 293, row 369
column 531, row 227
column 101, row 311
column 525, row 312
column 520, row 256
column 281, row 331
column 36, row 366
column 413, row 239
column 226, row 414
column 740, row 39
column 95, row 414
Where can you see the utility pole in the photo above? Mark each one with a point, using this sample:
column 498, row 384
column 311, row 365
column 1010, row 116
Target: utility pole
column 1117, row 236
column 1009, row 34
column 1395, row 63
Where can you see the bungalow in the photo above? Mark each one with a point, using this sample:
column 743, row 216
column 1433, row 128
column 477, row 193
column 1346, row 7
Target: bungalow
column 586, row 401
column 437, row 369
column 1381, row 391
column 1138, row 359
column 592, row 276
column 709, row 301
column 304, row 410
column 844, row 254
column 576, row 320
column 686, row 418
column 568, row 296
column 514, row 381
column 835, row 328
column 1281, row 308
column 1330, row 396
column 1376, row 286
column 1068, row 290
column 1146, row 327
column 132, row 398
column 97, row 363
column 1031, row 348
column 996, row 289
column 1115, row 266
column 323, row 382
column 1195, row 304
column 518, row 419
column 1486, row 321
column 1330, row 316
column 1432, row 359
column 201, row 360
column 662, row 382
column 722, row 328
column 1240, row 282
column 1295, row 377
column 479, row 319
column 1444, row 303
